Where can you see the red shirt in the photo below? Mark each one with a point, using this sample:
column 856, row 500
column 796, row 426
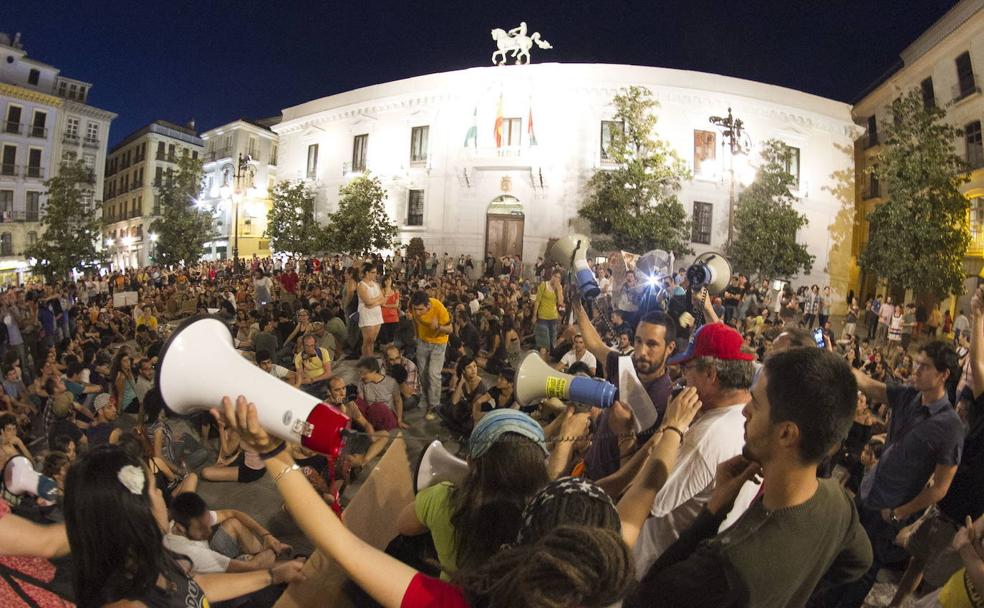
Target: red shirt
column 315, row 265
column 289, row 281
column 35, row 567
column 435, row 593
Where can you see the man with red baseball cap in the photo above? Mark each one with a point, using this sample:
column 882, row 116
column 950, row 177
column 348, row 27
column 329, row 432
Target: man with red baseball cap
column 720, row 373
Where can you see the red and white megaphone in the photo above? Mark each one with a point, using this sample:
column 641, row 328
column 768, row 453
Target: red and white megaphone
column 537, row 380
column 435, row 465
column 19, row 478
column 199, row 365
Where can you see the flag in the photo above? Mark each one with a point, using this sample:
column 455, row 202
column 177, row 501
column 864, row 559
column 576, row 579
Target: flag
column 529, row 127
column 472, row 134
column 497, row 132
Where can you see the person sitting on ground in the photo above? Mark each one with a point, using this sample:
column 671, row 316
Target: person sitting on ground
column 407, row 377
column 381, row 399
column 110, row 487
column 500, row 397
column 10, row 444
column 265, row 362
column 468, row 389
column 104, row 428
column 225, row 540
column 571, row 523
column 312, row 368
column 579, row 353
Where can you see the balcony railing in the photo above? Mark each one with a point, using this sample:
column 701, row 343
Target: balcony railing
column 20, row 215
column 136, row 185
column 966, row 89
column 34, row 172
column 70, row 138
column 216, row 154
column 10, row 126
column 90, row 142
column 976, row 247
column 10, row 170
column 36, row 131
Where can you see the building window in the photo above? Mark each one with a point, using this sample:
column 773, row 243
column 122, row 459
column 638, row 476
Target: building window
column 312, row 162
column 160, row 150
column 418, row 144
column 158, row 176
column 928, row 95
column 92, row 132
column 12, row 125
column 512, row 131
column 6, row 202
column 273, row 154
column 33, row 76
column 8, row 161
column 82, row 91
column 793, row 164
column 38, row 125
column 360, row 144
column 977, row 222
column 72, row 128
column 415, row 208
column 705, row 151
column 194, row 155
column 966, row 83
column 170, row 153
column 32, row 238
column 33, row 206
column 253, row 150
column 975, row 144
column 872, row 132
column 702, row 223
column 34, row 163
column 608, row 127
column 874, row 187
column 6, row 244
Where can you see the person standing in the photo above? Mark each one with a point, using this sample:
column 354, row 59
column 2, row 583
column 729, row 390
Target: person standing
column 433, row 324
column 370, row 309
column 391, row 310
column 885, row 313
column 547, row 303
column 825, row 305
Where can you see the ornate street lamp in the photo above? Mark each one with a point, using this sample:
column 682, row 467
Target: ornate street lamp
column 734, row 136
column 243, row 171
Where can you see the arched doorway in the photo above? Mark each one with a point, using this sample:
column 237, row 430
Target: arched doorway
column 504, row 224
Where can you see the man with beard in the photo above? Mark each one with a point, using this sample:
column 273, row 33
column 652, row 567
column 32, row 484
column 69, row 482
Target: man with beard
column 800, row 529
column 655, row 338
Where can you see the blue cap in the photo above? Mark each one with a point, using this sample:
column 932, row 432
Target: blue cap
column 497, row 422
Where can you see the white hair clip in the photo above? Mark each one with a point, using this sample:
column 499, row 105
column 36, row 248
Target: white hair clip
column 132, row 478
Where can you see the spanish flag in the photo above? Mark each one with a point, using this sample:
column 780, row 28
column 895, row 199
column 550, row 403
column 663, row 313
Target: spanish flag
column 498, row 123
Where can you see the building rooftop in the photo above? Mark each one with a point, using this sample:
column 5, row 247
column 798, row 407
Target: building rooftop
column 165, row 128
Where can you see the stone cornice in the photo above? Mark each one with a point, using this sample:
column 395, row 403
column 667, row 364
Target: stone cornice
column 86, row 110
column 30, row 95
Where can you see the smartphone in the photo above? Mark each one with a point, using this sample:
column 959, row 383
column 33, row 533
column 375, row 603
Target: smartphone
column 819, row 338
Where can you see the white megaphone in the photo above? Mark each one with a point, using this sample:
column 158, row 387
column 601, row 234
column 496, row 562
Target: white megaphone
column 19, row 478
column 711, row 270
column 435, row 465
column 576, row 246
column 199, row 365
column 537, row 380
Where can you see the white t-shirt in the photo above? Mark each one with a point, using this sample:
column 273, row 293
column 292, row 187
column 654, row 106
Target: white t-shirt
column 587, row 358
column 605, row 286
column 716, row 436
column 278, row 371
column 203, row 559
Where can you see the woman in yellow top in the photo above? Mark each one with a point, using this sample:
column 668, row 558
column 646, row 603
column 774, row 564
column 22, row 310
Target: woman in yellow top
column 547, row 304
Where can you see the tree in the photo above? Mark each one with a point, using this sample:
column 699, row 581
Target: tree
column 182, row 228
column 290, row 223
column 361, row 224
column 71, row 224
column 766, row 222
column 634, row 206
column 919, row 235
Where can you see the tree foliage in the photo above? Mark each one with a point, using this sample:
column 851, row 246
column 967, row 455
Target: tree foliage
column 634, row 206
column 361, row 224
column 291, row 226
column 71, row 224
column 182, row 228
column 919, row 235
column 766, row 221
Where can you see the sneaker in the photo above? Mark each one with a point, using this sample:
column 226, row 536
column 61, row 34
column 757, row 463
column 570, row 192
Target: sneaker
column 430, row 415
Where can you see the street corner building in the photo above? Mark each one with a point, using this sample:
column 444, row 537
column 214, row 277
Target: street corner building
column 495, row 159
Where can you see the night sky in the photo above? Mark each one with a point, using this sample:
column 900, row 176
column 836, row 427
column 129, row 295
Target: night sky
column 215, row 60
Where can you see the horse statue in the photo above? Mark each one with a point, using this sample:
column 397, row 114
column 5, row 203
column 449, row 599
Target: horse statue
column 517, row 42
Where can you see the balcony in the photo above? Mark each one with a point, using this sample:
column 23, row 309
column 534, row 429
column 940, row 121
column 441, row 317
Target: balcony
column 34, row 172
column 218, row 153
column 10, row 126
column 347, row 168
column 136, row 185
column 89, row 176
column 39, row 132
column 964, row 90
column 254, row 155
column 90, row 142
column 10, row 170
column 976, row 247
column 9, row 216
column 70, row 138
column 505, row 156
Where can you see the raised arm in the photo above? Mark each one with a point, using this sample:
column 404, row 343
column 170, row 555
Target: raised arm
column 592, row 340
column 977, row 341
column 875, row 390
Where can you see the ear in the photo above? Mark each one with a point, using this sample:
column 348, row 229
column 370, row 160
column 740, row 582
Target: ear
column 789, row 434
column 670, row 347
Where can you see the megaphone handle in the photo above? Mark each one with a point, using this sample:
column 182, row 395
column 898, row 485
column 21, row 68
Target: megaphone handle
column 698, row 315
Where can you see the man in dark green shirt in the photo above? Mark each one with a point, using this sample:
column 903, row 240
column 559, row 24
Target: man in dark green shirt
column 800, row 529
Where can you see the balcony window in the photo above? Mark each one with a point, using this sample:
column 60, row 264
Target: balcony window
column 8, row 161
column 12, row 124
column 608, row 128
column 874, row 187
column 974, row 144
column 6, row 201
column 34, row 163
column 928, row 95
column 705, row 150
column 966, row 82
column 415, row 208
column 33, row 76
column 418, row 144
column 312, row 161
column 872, row 133
column 360, row 145
column 701, row 231
column 38, row 125
column 793, row 164
column 6, row 244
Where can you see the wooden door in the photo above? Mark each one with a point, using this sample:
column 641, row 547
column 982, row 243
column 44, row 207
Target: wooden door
column 504, row 235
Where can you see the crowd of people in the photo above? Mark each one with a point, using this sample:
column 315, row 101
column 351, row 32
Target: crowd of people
column 747, row 461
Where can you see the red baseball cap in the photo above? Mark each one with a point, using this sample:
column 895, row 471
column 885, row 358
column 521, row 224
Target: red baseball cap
column 714, row 340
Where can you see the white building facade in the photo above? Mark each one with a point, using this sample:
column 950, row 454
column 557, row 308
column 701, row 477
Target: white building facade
column 246, row 199
column 431, row 140
column 44, row 119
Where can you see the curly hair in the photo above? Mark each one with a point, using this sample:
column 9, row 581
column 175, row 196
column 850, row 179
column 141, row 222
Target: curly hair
column 569, row 566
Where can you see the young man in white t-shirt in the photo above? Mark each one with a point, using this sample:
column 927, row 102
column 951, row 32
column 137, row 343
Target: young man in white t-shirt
column 579, row 353
column 265, row 362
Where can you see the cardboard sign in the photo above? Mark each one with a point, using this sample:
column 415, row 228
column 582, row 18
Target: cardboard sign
column 124, row 298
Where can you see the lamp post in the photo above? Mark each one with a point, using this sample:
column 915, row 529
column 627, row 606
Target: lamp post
column 153, row 246
column 733, row 133
column 243, row 170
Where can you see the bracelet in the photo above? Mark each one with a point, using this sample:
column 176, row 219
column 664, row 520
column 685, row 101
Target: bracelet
column 675, row 430
column 287, row 469
column 274, row 451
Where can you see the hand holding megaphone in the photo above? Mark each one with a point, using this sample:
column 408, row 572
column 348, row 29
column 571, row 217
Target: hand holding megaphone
column 537, row 380
column 686, row 320
column 572, row 252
